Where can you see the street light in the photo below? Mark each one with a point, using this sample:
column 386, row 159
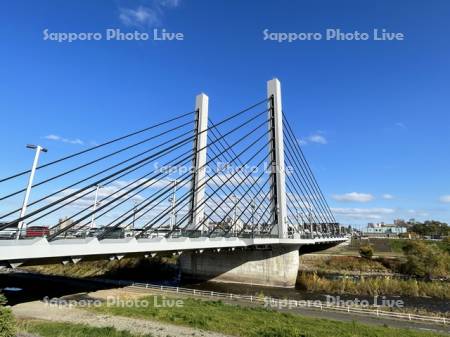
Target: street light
column 94, row 207
column 38, row 149
column 253, row 207
column 173, row 202
column 134, row 215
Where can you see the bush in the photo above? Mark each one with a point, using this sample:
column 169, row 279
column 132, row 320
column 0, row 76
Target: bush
column 311, row 282
column 7, row 323
column 349, row 263
column 429, row 228
column 366, row 252
column 426, row 260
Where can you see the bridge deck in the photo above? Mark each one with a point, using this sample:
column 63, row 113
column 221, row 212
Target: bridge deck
column 40, row 248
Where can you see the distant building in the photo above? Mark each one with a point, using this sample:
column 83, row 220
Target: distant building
column 64, row 222
column 375, row 225
column 400, row 223
column 383, row 230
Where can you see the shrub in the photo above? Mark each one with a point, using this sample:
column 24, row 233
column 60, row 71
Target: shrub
column 7, row 323
column 366, row 252
column 426, row 260
column 311, row 282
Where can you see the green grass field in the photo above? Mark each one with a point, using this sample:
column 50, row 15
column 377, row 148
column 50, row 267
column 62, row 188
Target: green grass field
column 55, row 329
column 253, row 322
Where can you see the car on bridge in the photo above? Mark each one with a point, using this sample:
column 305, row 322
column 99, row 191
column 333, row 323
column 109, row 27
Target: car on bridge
column 36, row 231
column 8, row 232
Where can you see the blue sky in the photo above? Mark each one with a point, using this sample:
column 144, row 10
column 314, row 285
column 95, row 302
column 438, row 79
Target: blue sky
column 373, row 115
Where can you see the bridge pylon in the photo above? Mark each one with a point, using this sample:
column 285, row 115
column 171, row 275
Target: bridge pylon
column 277, row 165
column 198, row 185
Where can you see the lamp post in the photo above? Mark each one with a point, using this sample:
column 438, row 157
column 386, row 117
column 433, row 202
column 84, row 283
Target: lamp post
column 134, row 216
column 173, row 202
column 38, row 149
column 94, row 207
column 253, row 207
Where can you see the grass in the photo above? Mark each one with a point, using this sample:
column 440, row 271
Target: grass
column 347, row 263
column 252, row 322
column 442, row 245
column 374, row 286
column 397, row 245
column 56, row 329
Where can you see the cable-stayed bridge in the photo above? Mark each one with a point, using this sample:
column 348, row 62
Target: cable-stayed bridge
column 230, row 195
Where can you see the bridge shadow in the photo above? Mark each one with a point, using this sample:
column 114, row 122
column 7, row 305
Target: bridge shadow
column 307, row 249
column 24, row 287
column 56, row 280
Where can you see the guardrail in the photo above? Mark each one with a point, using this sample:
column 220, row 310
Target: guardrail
column 272, row 302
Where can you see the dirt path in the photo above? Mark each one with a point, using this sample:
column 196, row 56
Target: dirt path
column 41, row 311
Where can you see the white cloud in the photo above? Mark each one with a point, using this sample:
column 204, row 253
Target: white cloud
column 317, row 138
column 388, row 196
column 301, row 141
column 401, row 125
column 445, row 199
column 57, row 138
column 145, row 17
column 363, row 213
column 142, row 17
column 354, row 196
column 170, row 3
column 53, row 137
column 414, row 212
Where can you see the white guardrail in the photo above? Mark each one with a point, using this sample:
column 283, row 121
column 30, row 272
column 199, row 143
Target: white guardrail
column 281, row 303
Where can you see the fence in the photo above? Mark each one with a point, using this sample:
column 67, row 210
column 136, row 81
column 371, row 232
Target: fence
column 291, row 304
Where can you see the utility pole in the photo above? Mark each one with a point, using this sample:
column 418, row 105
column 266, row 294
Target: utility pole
column 173, row 201
column 134, row 216
column 94, row 207
column 234, row 219
column 23, row 211
column 300, row 222
column 253, row 207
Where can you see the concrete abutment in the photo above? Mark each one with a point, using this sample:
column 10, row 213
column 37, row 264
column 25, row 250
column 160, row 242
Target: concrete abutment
column 275, row 266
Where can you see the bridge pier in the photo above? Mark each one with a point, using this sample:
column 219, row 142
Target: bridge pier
column 275, row 266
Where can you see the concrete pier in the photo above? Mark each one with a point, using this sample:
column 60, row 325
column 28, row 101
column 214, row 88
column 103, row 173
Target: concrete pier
column 273, row 266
